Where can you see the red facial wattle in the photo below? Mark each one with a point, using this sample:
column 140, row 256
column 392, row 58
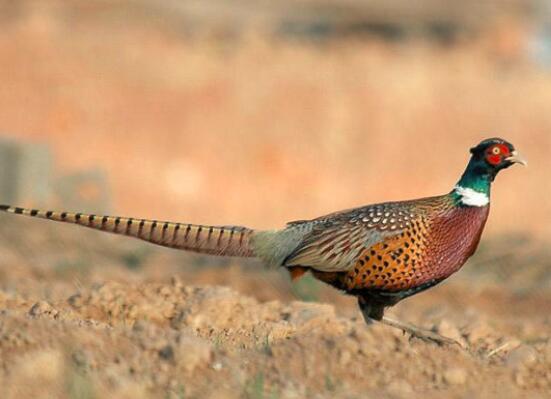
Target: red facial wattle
column 495, row 157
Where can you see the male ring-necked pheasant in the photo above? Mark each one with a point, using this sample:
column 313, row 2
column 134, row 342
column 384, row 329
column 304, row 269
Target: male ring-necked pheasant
column 380, row 253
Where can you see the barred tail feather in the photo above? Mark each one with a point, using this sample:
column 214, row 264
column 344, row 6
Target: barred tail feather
column 213, row 240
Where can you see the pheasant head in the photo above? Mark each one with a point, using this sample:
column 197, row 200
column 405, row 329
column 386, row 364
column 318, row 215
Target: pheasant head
column 487, row 159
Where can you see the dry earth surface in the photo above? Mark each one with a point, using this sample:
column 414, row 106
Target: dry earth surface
column 259, row 131
column 86, row 315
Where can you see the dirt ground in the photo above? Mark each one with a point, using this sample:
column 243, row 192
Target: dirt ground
column 258, row 132
column 89, row 315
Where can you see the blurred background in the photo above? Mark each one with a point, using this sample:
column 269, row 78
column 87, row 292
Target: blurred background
column 256, row 112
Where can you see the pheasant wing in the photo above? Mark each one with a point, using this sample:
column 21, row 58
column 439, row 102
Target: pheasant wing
column 334, row 244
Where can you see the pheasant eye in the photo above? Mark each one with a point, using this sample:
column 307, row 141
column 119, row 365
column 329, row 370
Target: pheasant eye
column 494, row 155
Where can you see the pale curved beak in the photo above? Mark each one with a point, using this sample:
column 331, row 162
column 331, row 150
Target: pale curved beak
column 516, row 158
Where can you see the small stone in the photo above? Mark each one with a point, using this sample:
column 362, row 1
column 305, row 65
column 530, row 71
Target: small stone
column 43, row 308
column 76, row 301
column 217, row 366
column 455, row 376
column 166, row 353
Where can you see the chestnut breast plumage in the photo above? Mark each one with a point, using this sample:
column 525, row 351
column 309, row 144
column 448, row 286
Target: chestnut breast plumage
column 431, row 246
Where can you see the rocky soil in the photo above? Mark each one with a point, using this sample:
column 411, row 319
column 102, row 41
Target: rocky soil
column 85, row 315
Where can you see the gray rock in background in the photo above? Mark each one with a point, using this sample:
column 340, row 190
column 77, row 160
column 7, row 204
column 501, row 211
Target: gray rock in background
column 25, row 172
column 27, row 178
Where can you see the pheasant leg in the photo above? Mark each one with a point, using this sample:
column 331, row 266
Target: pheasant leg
column 375, row 313
column 419, row 333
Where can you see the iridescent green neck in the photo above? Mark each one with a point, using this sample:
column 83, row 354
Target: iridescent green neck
column 474, row 186
column 475, row 181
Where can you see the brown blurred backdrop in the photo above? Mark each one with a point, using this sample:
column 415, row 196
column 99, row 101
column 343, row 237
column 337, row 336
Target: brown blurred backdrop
column 259, row 114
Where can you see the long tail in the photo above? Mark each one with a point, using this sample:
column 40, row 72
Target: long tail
column 213, row 240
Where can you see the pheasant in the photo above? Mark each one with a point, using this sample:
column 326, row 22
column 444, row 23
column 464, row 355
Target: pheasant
column 381, row 253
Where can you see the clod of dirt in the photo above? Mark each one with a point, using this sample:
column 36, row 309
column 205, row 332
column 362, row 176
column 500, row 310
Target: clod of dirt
column 448, row 330
column 480, row 333
column 193, row 352
column 43, row 308
column 521, row 357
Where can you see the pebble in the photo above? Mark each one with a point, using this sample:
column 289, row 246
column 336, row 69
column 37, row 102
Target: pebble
column 455, row 376
column 166, row 353
column 217, row 366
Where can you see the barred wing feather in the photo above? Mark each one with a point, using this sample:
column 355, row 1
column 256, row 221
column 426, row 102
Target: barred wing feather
column 337, row 247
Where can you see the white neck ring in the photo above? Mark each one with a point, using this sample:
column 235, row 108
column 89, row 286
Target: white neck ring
column 471, row 197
